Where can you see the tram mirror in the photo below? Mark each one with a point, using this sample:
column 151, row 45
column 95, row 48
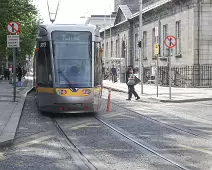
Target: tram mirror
column 42, row 32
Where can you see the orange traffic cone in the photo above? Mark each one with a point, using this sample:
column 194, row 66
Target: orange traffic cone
column 108, row 100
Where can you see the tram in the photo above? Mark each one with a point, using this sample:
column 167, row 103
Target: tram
column 68, row 69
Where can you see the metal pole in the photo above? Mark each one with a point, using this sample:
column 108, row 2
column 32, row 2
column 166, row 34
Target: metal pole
column 120, row 58
column 157, row 74
column 14, row 74
column 110, row 34
column 105, row 38
column 170, row 74
column 159, row 39
column 141, row 51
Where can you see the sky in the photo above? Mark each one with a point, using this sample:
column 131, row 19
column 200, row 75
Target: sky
column 70, row 12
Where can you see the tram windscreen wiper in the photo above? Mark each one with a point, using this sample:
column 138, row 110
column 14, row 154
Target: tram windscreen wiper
column 67, row 80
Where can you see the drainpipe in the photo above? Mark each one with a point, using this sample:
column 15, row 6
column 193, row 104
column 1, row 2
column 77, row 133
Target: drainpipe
column 198, row 36
column 198, row 39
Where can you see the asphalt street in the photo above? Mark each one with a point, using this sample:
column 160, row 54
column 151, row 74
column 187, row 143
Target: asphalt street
column 135, row 135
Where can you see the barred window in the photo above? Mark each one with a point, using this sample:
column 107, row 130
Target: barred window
column 165, row 34
column 145, row 44
column 178, row 36
column 136, row 48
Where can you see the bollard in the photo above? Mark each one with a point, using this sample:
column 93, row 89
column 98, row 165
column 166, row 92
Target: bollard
column 108, row 100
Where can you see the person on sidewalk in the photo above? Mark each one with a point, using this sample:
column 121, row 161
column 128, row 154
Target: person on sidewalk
column 128, row 72
column 6, row 74
column 131, row 86
column 114, row 74
column 19, row 74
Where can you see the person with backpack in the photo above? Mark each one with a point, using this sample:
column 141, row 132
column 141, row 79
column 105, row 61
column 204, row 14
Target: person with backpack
column 131, row 86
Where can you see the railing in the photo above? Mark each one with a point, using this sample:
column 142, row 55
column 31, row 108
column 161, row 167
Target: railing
column 187, row 76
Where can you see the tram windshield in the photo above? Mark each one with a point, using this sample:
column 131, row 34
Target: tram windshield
column 73, row 57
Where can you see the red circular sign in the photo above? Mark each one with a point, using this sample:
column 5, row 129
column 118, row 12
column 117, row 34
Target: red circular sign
column 170, row 41
column 13, row 27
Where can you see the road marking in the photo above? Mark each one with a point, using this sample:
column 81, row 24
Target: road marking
column 112, row 115
column 87, row 125
column 36, row 141
column 128, row 116
column 2, row 156
column 196, row 149
column 117, row 150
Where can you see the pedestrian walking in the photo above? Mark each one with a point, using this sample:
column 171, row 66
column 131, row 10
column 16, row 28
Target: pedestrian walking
column 19, row 75
column 114, row 74
column 128, row 72
column 131, row 86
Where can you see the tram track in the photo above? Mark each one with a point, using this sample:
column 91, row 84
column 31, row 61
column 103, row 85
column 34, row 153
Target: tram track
column 80, row 158
column 79, row 152
column 176, row 129
column 90, row 165
column 140, row 144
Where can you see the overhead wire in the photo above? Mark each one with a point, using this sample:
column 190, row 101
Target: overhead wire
column 53, row 19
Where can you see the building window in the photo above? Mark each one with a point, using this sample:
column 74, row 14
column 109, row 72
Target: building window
column 165, row 34
column 178, row 36
column 116, row 48
column 136, row 47
column 145, row 44
column 111, row 49
column 154, row 40
column 106, row 50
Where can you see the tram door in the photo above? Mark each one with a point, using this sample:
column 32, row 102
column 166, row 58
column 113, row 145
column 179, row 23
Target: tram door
column 97, row 76
column 43, row 73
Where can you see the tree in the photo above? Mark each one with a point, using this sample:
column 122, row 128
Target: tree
column 24, row 12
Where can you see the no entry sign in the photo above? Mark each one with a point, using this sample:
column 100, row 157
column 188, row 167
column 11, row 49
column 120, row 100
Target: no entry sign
column 170, row 41
column 13, row 27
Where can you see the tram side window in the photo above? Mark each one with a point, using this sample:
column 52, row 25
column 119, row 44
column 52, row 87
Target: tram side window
column 44, row 67
column 97, row 66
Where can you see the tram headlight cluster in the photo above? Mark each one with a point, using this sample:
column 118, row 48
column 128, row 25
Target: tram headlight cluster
column 86, row 91
column 61, row 92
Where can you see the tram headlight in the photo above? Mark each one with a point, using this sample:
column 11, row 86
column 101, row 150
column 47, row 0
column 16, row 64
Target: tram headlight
column 86, row 91
column 61, row 92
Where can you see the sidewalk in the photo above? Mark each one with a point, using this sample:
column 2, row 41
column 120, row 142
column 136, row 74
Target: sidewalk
column 178, row 94
column 10, row 112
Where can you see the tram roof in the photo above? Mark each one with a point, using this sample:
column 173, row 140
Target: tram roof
column 69, row 27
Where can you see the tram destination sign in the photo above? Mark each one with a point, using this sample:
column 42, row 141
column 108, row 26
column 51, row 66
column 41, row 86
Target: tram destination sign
column 71, row 36
column 13, row 41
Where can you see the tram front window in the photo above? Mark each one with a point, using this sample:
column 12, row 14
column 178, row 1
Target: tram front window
column 73, row 57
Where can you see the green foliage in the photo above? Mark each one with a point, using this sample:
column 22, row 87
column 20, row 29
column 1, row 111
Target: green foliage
column 25, row 13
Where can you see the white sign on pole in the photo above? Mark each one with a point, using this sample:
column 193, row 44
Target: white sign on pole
column 156, row 31
column 13, row 41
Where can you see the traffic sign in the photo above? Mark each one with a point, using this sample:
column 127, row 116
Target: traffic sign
column 156, row 49
column 170, row 41
column 13, row 27
column 13, row 41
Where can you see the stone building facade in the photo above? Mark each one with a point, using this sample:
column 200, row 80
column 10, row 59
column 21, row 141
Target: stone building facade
column 101, row 21
column 190, row 21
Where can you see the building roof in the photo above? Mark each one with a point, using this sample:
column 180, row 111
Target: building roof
column 132, row 16
column 126, row 11
column 150, row 7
